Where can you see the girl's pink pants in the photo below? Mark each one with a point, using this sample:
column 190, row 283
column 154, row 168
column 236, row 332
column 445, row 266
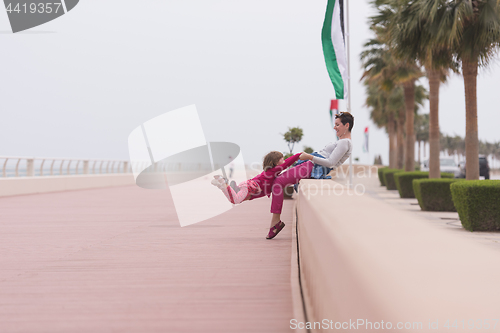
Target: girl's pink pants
column 289, row 177
column 247, row 188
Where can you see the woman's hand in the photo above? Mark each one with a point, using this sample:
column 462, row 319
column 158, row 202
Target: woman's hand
column 305, row 156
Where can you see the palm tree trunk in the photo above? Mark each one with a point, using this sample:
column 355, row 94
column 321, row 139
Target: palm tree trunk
column 395, row 144
column 469, row 69
column 391, row 129
column 409, row 91
column 419, row 152
column 400, row 140
column 434, row 83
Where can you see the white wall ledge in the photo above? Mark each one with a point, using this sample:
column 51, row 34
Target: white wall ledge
column 363, row 258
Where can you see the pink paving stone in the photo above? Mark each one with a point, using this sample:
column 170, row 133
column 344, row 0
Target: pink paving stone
column 116, row 260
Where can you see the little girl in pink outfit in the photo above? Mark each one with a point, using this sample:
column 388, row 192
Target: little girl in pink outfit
column 260, row 185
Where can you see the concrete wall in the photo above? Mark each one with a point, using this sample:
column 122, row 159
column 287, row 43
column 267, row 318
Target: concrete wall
column 32, row 185
column 363, row 259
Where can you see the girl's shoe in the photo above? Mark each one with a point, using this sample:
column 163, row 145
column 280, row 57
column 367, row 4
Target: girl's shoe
column 221, row 177
column 275, row 230
column 219, row 182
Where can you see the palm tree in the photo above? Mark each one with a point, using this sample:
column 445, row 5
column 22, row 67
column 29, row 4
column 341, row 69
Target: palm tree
column 383, row 115
column 452, row 146
column 416, row 35
column 386, row 107
column 406, row 70
column 460, row 147
column 496, row 153
column 379, row 69
column 421, row 131
column 445, row 143
column 421, row 95
column 397, row 104
column 472, row 28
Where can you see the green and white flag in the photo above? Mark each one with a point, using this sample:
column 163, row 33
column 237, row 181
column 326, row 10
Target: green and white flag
column 332, row 37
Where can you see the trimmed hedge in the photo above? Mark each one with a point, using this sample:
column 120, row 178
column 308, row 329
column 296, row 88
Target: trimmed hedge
column 381, row 175
column 434, row 194
column 404, row 181
column 478, row 204
column 389, row 178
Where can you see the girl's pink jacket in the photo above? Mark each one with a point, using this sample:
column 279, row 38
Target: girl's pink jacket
column 266, row 178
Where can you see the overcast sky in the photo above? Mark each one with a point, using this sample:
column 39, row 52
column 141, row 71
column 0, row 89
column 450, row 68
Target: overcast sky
column 77, row 86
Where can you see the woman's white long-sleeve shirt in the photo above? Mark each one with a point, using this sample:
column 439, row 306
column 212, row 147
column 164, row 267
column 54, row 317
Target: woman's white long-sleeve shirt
column 335, row 154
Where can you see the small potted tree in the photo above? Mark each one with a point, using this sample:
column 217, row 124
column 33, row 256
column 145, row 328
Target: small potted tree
column 292, row 136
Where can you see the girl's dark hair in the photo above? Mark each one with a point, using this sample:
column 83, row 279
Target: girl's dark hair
column 271, row 160
column 346, row 117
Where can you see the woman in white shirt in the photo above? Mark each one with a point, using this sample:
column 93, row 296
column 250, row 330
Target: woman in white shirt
column 334, row 155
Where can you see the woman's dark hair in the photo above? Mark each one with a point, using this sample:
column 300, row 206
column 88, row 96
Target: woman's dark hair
column 346, row 117
column 271, row 160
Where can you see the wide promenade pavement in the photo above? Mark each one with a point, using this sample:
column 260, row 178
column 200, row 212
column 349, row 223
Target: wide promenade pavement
column 116, row 260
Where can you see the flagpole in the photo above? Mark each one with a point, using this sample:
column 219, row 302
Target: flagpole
column 348, row 37
column 334, row 33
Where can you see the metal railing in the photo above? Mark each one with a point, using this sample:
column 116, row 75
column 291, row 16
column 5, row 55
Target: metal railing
column 25, row 166
column 50, row 166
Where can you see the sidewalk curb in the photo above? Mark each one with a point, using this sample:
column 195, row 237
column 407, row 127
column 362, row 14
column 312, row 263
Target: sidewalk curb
column 297, row 300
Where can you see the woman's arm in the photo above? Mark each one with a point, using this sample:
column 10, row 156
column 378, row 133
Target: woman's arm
column 306, row 156
column 336, row 155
